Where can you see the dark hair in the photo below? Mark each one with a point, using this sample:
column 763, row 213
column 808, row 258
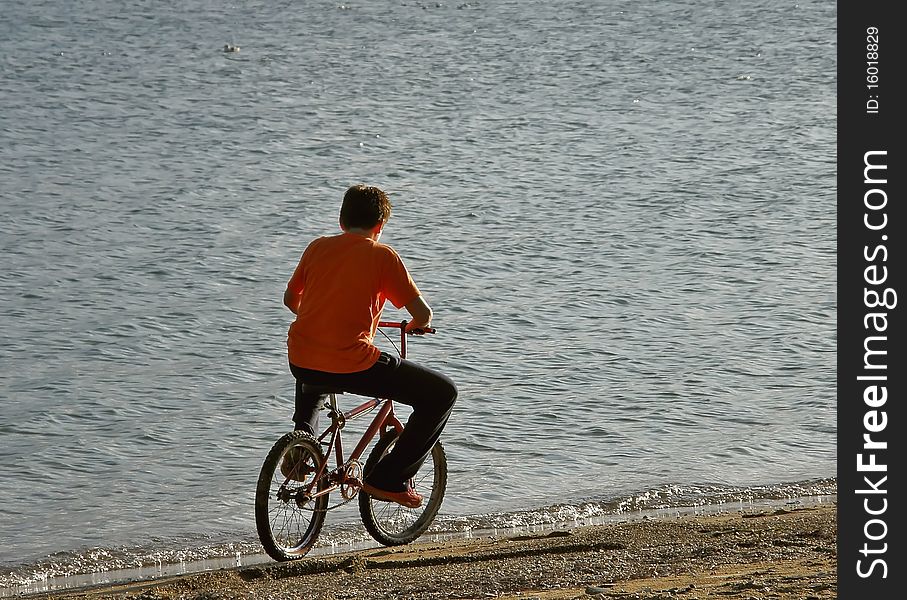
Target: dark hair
column 364, row 207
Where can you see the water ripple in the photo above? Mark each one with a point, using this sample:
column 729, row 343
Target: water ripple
column 629, row 249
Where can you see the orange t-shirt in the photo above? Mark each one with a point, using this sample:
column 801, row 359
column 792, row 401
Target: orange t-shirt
column 344, row 280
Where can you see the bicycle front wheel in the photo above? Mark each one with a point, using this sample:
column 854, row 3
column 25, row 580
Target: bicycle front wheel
column 392, row 524
column 288, row 520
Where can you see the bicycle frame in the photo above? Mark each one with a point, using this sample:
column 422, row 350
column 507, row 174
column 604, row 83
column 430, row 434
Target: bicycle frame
column 295, row 481
column 347, row 470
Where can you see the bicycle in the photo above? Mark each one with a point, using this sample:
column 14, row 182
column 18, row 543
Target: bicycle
column 295, row 482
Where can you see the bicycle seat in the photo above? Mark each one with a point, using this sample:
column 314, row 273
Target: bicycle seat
column 321, row 390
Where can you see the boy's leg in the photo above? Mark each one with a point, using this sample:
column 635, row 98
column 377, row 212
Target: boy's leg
column 429, row 393
column 308, row 405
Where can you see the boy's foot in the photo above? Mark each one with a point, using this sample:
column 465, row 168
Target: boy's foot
column 408, row 497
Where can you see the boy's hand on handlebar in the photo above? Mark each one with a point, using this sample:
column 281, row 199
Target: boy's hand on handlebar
column 413, row 329
column 420, row 330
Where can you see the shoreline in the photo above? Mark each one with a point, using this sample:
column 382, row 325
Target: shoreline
column 745, row 554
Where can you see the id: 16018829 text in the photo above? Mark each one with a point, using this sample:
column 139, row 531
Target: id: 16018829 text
column 872, row 70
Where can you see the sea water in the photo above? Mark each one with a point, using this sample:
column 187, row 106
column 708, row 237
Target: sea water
column 622, row 214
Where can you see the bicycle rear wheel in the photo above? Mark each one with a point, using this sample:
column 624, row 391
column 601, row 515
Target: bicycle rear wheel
column 392, row 524
column 288, row 520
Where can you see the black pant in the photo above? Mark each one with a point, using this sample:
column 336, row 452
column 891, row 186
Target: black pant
column 429, row 393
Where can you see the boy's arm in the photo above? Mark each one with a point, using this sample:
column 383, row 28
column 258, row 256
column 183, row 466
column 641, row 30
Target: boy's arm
column 291, row 300
column 293, row 294
column 420, row 313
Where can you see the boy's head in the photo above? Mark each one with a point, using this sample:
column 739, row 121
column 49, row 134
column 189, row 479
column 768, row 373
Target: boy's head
column 364, row 207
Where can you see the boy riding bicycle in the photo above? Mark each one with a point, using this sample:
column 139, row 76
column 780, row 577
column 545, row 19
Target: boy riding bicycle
column 337, row 292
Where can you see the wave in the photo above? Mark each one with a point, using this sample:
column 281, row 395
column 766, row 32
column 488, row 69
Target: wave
column 168, row 557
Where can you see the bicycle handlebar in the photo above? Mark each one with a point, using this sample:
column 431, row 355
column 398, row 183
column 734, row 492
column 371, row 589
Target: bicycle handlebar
column 401, row 325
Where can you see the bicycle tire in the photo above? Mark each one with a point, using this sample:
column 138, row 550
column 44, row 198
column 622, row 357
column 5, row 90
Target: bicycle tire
column 392, row 524
column 288, row 526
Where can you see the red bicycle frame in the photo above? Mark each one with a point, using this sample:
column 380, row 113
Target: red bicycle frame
column 383, row 421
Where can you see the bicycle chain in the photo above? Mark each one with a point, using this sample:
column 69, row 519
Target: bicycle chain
column 349, row 467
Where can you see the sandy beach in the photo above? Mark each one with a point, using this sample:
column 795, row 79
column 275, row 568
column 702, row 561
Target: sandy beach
column 749, row 554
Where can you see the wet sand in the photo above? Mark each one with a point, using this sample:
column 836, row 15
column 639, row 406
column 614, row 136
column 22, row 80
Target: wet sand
column 751, row 554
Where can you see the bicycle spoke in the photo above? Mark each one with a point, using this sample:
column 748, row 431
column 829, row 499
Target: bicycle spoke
column 391, row 523
column 287, row 518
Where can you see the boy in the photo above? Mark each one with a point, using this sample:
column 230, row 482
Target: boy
column 337, row 292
